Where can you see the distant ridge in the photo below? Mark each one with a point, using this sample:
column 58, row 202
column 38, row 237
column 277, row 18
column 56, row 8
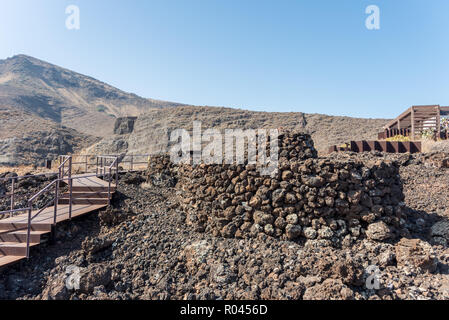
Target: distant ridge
column 46, row 110
column 77, row 101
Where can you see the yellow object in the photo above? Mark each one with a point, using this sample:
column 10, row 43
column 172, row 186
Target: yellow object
column 399, row 137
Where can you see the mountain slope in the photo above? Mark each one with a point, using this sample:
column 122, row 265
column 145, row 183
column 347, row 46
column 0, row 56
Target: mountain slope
column 46, row 110
column 46, row 91
column 152, row 129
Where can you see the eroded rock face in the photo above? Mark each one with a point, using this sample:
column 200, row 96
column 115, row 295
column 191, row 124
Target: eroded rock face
column 124, row 125
column 415, row 253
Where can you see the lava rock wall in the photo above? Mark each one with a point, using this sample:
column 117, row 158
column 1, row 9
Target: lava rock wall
column 308, row 198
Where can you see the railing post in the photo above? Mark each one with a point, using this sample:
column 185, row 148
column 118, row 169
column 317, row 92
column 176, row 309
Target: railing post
column 12, row 193
column 86, row 163
column 96, row 167
column 132, row 159
column 109, row 187
column 55, row 207
column 30, row 205
column 116, row 173
column 70, row 188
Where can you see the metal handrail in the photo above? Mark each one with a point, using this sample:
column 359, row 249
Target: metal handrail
column 13, row 210
column 129, row 159
column 103, row 168
column 62, row 165
column 43, row 208
column 43, row 190
column 62, row 172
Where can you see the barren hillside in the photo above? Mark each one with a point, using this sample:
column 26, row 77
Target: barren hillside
column 66, row 97
column 46, row 110
column 151, row 130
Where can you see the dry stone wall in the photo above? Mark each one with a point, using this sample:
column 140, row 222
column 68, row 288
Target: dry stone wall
column 309, row 199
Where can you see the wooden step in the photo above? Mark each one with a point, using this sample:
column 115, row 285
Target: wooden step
column 92, row 201
column 88, row 194
column 6, row 260
column 85, row 195
column 92, row 189
column 21, row 236
column 16, row 226
column 14, row 248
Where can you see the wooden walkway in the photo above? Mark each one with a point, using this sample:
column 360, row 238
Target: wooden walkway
column 88, row 194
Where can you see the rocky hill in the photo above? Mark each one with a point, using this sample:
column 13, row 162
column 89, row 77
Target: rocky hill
column 65, row 97
column 151, row 130
column 41, row 102
column 46, row 110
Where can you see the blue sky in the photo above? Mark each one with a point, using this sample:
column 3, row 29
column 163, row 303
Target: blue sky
column 312, row 56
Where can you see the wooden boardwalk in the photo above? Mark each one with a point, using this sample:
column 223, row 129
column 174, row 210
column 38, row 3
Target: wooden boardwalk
column 88, row 194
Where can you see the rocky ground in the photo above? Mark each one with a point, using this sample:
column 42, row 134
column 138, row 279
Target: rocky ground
column 24, row 189
column 141, row 248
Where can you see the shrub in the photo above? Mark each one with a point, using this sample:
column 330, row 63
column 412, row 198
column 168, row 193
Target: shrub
column 428, row 134
column 399, row 137
column 101, row 108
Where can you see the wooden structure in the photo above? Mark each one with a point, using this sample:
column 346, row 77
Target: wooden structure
column 86, row 193
column 382, row 146
column 415, row 120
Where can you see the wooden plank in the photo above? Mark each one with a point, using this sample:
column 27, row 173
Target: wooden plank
column 7, row 260
column 82, row 181
column 85, row 195
column 92, row 201
column 46, row 216
column 13, row 230
column 21, row 236
column 437, row 110
column 393, row 147
column 393, row 122
column 14, row 248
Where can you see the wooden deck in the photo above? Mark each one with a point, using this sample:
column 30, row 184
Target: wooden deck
column 83, row 180
column 88, row 194
column 413, row 121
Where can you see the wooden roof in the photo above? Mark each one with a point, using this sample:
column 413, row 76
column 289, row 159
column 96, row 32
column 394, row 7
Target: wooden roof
column 408, row 113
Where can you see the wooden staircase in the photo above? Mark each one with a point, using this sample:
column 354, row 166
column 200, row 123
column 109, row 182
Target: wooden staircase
column 89, row 194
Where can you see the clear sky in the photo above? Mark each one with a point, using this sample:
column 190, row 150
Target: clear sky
column 313, row 56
